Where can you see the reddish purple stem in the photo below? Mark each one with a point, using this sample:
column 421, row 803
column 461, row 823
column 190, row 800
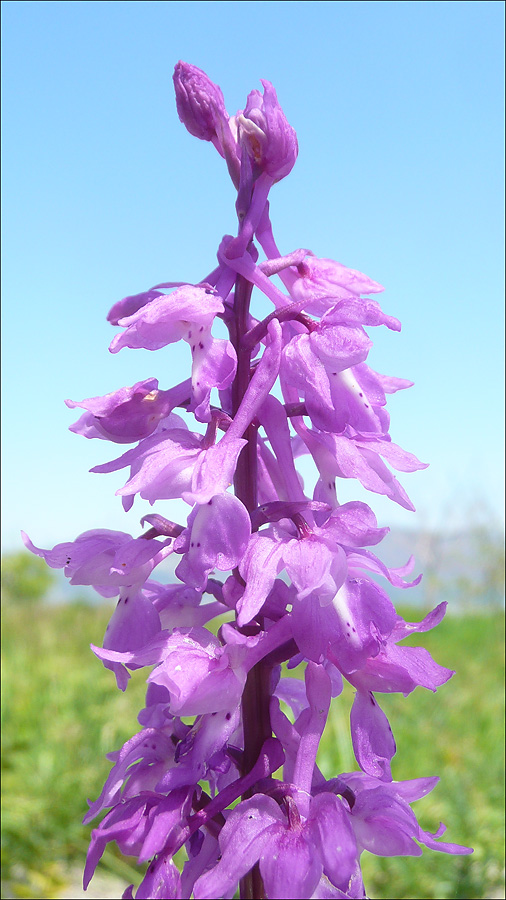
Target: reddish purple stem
column 256, row 695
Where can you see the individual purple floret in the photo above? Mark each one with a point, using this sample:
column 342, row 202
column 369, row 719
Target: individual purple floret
column 107, row 560
column 266, row 135
column 188, row 314
column 129, row 414
column 219, row 790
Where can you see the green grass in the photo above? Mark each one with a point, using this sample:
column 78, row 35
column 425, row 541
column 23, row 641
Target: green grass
column 62, row 713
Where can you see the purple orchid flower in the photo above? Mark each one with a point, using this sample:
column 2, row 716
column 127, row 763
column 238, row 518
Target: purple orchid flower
column 319, row 280
column 186, row 314
column 162, row 880
column 297, row 840
column 175, row 462
column 383, row 821
column 192, row 665
column 217, row 536
column 129, row 414
column 353, row 455
column 267, row 574
column 289, row 851
column 138, row 765
column 107, row 560
column 265, row 133
column 201, row 673
column 139, row 826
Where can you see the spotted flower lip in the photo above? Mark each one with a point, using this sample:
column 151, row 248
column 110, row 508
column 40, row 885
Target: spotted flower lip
column 186, row 314
column 216, row 537
column 326, row 366
column 201, row 673
column 168, row 317
column 401, row 669
column 193, row 666
column 314, row 564
column 321, row 280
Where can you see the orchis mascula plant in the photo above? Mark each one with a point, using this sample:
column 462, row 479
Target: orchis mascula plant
column 204, row 772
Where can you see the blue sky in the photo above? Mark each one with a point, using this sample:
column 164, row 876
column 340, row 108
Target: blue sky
column 398, row 109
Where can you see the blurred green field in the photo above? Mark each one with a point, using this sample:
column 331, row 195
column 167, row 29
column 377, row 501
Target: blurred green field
column 62, row 713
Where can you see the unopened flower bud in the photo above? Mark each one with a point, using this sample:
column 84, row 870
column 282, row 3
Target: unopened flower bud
column 264, row 131
column 200, row 103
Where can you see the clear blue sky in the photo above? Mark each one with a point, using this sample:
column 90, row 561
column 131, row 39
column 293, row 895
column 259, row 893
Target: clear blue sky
column 398, row 109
